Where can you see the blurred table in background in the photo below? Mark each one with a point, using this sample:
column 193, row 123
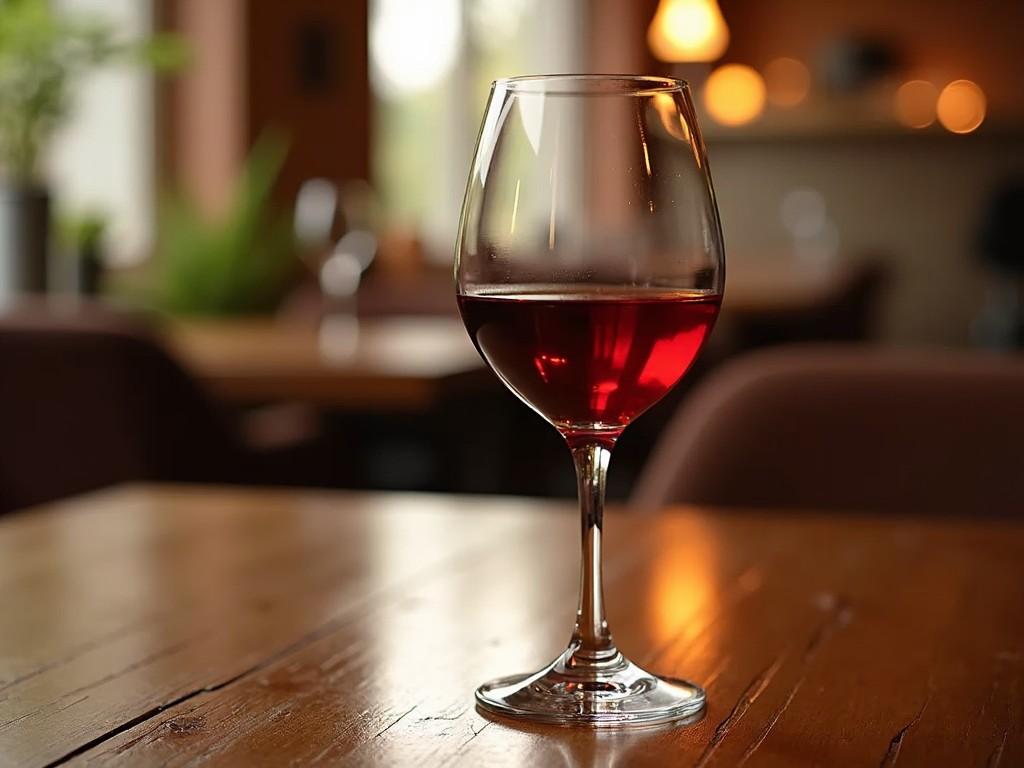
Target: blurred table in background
column 407, row 341
column 784, row 300
column 783, row 284
column 161, row 624
column 378, row 364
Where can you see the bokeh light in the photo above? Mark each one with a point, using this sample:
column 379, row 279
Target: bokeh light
column 688, row 30
column 961, row 106
column 734, row 94
column 493, row 24
column 915, row 102
column 788, row 81
column 413, row 43
column 803, row 212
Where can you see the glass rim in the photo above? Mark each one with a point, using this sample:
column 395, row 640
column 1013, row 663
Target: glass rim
column 592, row 84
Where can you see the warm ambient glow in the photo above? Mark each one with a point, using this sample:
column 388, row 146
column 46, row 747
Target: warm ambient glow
column 734, row 94
column 961, row 106
column 688, row 30
column 788, row 81
column 683, row 592
column 914, row 104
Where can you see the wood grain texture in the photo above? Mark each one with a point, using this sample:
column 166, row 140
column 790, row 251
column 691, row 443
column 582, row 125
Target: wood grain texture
column 390, row 364
column 187, row 626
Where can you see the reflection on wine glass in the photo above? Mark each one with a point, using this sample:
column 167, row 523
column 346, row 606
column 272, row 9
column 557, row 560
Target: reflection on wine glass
column 589, row 274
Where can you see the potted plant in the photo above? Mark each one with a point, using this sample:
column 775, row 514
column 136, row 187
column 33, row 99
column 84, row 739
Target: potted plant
column 238, row 262
column 43, row 54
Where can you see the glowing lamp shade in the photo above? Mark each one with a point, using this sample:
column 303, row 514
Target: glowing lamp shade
column 688, row 30
column 961, row 106
column 914, row 104
column 734, row 94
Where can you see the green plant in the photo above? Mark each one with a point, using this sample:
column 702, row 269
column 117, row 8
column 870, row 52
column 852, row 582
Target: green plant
column 42, row 54
column 238, row 263
column 81, row 231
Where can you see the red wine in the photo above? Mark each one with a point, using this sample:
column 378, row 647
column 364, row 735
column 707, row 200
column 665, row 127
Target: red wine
column 590, row 361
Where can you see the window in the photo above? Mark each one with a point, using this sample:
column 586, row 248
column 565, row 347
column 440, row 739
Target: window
column 102, row 161
column 432, row 62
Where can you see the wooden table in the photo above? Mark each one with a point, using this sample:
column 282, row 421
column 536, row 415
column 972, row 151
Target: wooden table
column 171, row 626
column 392, row 364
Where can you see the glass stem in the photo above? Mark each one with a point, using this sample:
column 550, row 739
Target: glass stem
column 591, row 637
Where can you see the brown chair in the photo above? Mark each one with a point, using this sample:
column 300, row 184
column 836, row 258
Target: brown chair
column 832, row 427
column 90, row 398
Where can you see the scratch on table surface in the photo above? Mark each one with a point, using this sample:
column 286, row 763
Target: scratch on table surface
column 448, row 717
column 138, row 664
column 478, row 731
column 892, row 754
column 841, row 615
column 394, row 722
column 144, row 716
column 19, row 718
column 1005, row 660
column 333, row 742
column 79, row 651
column 456, row 755
column 756, row 744
column 997, row 754
column 746, row 699
column 714, row 674
column 73, row 703
column 474, row 732
column 163, row 724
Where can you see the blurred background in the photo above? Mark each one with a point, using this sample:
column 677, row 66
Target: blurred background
column 227, row 228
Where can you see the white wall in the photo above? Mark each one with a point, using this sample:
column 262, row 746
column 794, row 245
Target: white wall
column 917, row 200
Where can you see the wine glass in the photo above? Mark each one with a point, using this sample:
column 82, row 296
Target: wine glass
column 589, row 271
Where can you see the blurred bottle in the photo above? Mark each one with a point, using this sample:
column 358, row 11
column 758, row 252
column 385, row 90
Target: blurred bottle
column 323, row 211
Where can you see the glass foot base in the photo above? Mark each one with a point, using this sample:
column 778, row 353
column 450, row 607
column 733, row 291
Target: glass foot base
column 609, row 693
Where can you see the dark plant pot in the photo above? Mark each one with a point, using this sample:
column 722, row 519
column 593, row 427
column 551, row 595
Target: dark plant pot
column 90, row 270
column 24, row 238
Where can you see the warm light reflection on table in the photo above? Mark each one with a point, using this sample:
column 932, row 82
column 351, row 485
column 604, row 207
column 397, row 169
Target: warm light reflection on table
column 683, row 583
